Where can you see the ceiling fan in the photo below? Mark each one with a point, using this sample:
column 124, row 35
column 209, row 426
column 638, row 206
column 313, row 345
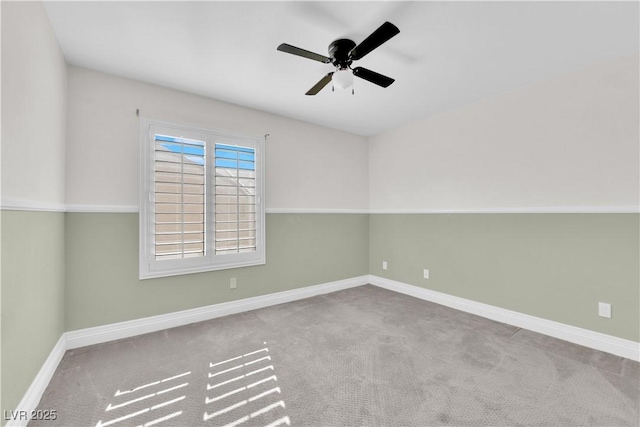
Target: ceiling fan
column 342, row 53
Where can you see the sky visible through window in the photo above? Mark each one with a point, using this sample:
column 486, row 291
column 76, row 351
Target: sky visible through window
column 227, row 156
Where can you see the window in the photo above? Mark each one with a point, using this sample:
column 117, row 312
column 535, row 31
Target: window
column 201, row 200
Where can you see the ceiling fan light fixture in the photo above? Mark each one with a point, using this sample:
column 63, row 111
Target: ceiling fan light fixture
column 343, row 78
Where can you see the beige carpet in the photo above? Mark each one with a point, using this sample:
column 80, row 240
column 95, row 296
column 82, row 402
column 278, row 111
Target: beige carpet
column 360, row 357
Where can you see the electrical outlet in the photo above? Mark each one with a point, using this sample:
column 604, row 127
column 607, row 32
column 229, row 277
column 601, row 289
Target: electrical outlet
column 233, row 283
column 425, row 273
column 384, row 265
column 604, row 310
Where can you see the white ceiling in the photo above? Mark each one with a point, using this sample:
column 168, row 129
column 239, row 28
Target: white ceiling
column 447, row 54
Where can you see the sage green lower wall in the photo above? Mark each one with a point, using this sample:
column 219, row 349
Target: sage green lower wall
column 32, row 297
column 102, row 266
column 554, row 266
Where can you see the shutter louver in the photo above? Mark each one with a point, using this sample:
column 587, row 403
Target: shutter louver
column 179, row 195
column 235, row 199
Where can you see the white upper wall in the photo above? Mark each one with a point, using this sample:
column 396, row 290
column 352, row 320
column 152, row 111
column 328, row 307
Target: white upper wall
column 34, row 93
column 570, row 142
column 308, row 166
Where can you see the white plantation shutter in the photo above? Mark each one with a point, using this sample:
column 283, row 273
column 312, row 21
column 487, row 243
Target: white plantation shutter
column 179, row 192
column 201, row 205
column 235, row 192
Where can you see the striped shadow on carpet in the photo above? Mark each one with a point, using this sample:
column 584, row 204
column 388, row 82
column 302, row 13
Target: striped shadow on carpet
column 364, row 356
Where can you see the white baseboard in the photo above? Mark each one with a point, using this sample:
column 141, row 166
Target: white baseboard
column 115, row 331
column 32, row 397
column 584, row 337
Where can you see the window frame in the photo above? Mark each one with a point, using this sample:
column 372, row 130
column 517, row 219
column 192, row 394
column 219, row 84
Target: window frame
column 149, row 267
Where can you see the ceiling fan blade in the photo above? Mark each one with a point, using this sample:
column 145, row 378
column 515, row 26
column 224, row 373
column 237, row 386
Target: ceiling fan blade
column 304, row 53
column 377, row 38
column 318, row 86
column 373, row 77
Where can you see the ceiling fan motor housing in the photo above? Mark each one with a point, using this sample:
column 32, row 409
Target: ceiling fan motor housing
column 339, row 52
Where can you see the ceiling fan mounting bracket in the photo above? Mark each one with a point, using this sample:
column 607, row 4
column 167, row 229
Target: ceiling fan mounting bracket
column 339, row 52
